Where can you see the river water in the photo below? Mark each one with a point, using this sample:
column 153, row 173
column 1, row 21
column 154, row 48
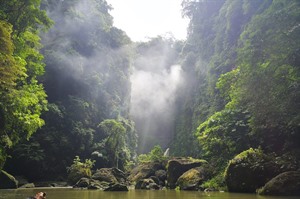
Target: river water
column 63, row 193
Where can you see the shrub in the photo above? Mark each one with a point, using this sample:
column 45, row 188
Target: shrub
column 80, row 169
column 156, row 154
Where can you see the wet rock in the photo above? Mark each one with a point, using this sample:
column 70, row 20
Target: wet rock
column 82, row 183
column 155, row 179
column 117, row 187
column 153, row 186
column 105, row 174
column 95, row 184
column 176, row 167
column 7, row 181
column 210, row 189
column 103, row 179
column 119, row 175
column 146, row 184
column 91, row 184
column 249, row 171
column 144, row 171
column 143, row 183
column 161, row 175
column 191, row 179
column 138, row 184
column 287, row 183
column 75, row 175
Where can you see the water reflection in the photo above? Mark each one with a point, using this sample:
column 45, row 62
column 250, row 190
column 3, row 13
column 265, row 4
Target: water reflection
column 132, row 194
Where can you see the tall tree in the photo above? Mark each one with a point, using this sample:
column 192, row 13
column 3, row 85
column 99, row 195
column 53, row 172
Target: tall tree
column 87, row 80
column 242, row 58
column 268, row 78
column 115, row 140
column 22, row 97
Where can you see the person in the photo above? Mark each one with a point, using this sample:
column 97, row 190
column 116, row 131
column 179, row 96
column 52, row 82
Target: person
column 39, row 195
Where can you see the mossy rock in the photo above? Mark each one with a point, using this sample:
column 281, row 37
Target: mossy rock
column 75, row 175
column 105, row 174
column 287, row 183
column 82, row 183
column 177, row 166
column 119, row 175
column 145, row 170
column 7, row 181
column 92, row 184
column 161, row 175
column 148, row 184
column 190, row 180
column 117, row 187
column 249, row 171
column 96, row 184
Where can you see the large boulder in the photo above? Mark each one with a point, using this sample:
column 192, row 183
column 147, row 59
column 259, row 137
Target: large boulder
column 287, row 183
column 117, row 187
column 82, row 183
column 162, row 176
column 177, row 166
column 75, row 175
column 104, row 178
column 110, row 175
column 154, row 186
column 250, row 170
column 145, row 170
column 148, row 184
column 7, row 181
column 191, row 179
column 155, row 179
column 91, row 184
column 95, row 184
column 119, row 175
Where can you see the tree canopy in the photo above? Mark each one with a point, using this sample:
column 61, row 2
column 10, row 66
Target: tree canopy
column 245, row 55
column 71, row 91
column 22, row 97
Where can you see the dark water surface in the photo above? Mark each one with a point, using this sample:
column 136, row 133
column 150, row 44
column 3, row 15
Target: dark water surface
column 68, row 193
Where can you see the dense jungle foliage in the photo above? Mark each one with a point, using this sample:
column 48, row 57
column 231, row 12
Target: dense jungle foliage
column 22, row 97
column 65, row 85
column 244, row 60
column 88, row 87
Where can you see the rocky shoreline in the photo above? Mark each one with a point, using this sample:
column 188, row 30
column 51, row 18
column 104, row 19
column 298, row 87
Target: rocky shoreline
column 181, row 173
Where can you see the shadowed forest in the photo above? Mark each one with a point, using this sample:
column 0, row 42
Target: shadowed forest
column 75, row 87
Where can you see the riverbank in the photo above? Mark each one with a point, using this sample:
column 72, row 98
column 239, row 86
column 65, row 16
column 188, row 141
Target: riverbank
column 249, row 172
column 58, row 193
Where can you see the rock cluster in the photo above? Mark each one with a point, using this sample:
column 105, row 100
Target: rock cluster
column 107, row 179
column 185, row 173
column 181, row 168
column 287, row 183
column 253, row 171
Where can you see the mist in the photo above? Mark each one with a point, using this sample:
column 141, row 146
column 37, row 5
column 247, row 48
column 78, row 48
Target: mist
column 92, row 71
column 155, row 84
column 88, row 55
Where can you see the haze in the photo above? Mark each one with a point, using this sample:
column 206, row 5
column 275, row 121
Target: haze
column 144, row 19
